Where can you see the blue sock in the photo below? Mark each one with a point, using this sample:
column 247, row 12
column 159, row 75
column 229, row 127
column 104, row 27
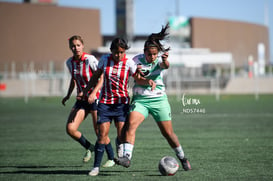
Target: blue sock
column 109, row 151
column 99, row 150
column 84, row 142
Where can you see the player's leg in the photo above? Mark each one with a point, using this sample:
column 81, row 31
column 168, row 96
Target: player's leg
column 100, row 146
column 161, row 111
column 166, row 129
column 119, row 139
column 137, row 115
column 110, row 154
column 76, row 117
column 108, row 146
column 94, row 119
column 135, row 119
column 104, row 122
column 120, row 117
column 119, row 126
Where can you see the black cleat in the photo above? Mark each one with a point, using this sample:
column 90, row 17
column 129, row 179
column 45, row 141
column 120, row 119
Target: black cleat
column 185, row 164
column 123, row 161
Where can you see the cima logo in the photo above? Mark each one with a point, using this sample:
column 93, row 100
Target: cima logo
column 191, row 105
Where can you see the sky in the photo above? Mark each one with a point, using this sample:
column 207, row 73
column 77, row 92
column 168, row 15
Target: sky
column 150, row 15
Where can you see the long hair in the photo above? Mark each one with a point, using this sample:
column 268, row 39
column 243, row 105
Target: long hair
column 155, row 38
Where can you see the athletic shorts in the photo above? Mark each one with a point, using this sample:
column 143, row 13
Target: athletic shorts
column 109, row 112
column 86, row 106
column 158, row 107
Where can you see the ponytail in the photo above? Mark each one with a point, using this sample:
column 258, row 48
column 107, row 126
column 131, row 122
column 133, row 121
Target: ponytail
column 155, row 38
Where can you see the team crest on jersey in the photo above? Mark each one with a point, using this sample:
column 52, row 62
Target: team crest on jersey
column 115, row 70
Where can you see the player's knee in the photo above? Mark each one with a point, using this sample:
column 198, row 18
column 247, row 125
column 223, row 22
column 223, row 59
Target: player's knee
column 70, row 130
column 104, row 139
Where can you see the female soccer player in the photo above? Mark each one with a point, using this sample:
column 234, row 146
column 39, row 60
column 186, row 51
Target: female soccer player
column 152, row 99
column 81, row 67
column 115, row 69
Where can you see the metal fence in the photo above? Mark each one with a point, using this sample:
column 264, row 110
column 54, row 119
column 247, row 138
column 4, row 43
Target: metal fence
column 32, row 81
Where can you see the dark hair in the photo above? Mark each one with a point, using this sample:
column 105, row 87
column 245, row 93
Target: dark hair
column 75, row 37
column 119, row 42
column 155, row 38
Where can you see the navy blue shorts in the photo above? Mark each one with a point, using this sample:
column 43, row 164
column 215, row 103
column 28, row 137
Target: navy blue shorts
column 109, row 112
column 86, row 106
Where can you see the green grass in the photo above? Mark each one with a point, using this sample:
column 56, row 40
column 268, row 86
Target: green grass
column 232, row 140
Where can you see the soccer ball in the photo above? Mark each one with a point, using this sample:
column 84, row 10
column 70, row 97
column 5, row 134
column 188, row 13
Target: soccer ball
column 168, row 166
column 146, row 70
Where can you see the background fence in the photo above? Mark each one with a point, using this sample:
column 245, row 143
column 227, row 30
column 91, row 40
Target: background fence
column 29, row 80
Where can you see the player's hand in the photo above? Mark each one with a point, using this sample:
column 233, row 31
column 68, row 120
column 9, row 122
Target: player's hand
column 65, row 99
column 138, row 71
column 165, row 56
column 80, row 96
column 152, row 84
column 92, row 98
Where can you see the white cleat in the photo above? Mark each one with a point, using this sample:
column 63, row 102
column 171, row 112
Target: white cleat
column 94, row 172
column 109, row 163
column 87, row 156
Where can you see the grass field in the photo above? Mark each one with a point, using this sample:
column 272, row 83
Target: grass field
column 230, row 139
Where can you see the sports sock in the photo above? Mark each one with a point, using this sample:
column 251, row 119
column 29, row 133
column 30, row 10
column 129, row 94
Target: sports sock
column 109, row 151
column 99, row 150
column 84, row 142
column 179, row 152
column 119, row 147
column 128, row 150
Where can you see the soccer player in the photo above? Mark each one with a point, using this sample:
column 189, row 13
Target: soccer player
column 81, row 67
column 115, row 69
column 152, row 99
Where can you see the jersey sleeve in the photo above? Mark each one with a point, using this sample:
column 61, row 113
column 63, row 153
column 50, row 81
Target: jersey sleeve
column 102, row 61
column 69, row 65
column 160, row 60
column 133, row 67
column 93, row 63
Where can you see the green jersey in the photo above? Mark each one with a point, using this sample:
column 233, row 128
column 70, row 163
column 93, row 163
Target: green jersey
column 151, row 71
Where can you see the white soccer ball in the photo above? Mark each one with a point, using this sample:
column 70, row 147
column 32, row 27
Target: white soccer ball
column 146, row 70
column 168, row 166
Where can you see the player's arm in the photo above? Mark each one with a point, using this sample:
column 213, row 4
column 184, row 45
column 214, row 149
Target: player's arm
column 144, row 81
column 92, row 82
column 93, row 96
column 69, row 92
column 165, row 64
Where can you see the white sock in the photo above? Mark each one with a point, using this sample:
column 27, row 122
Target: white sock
column 128, row 150
column 120, row 150
column 179, row 152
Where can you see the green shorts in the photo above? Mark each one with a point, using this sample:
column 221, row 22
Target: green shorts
column 158, row 107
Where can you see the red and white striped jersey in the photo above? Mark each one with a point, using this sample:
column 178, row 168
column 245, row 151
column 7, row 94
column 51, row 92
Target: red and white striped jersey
column 82, row 70
column 115, row 83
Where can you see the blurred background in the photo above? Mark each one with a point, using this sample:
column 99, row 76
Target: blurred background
column 217, row 47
